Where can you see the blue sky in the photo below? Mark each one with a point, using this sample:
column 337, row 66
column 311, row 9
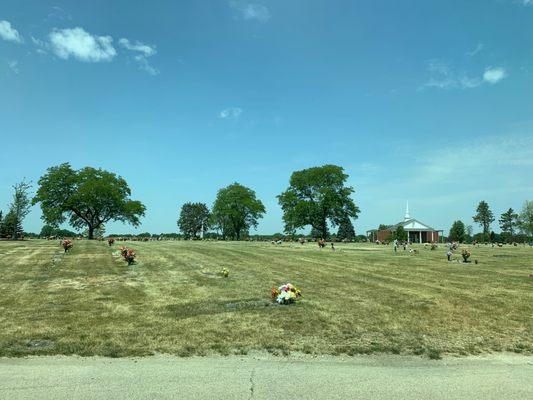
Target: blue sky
column 425, row 101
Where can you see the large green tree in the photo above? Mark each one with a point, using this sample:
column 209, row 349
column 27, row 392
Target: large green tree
column 315, row 197
column 194, row 219
column 484, row 217
column 87, row 198
column 236, row 210
column 457, row 232
column 508, row 222
column 525, row 218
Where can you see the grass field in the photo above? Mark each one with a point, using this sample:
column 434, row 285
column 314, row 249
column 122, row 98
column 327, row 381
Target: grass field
column 362, row 298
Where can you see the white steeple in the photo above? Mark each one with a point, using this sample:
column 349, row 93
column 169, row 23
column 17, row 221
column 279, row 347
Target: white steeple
column 407, row 216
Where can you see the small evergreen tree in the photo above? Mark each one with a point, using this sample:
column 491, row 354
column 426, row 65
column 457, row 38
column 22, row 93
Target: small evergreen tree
column 11, row 226
column 508, row 222
column 400, row 234
column 346, row 230
column 484, row 217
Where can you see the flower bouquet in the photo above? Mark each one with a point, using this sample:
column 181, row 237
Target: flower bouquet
column 110, row 241
column 127, row 254
column 67, row 244
column 285, row 294
column 466, row 255
column 225, row 272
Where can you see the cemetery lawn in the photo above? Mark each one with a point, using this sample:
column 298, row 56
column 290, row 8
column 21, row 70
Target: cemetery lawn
column 361, row 299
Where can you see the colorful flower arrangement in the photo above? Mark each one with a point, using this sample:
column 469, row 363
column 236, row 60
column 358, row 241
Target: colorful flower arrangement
column 127, row 254
column 225, row 272
column 285, row 294
column 110, row 241
column 67, row 244
column 466, row 255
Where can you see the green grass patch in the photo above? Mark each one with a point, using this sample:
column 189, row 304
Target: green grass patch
column 361, row 299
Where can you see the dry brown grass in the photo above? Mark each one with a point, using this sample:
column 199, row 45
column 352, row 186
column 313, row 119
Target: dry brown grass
column 360, row 299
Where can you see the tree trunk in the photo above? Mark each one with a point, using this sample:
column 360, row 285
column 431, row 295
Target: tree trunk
column 91, row 233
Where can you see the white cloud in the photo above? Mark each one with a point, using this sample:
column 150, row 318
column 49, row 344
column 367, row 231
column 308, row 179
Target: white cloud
column 230, row 113
column 14, row 66
column 145, row 49
column 7, row 32
column 79, row 44
column 441, row 76
column 143, row 52
column 494, row 75
column 251, row 11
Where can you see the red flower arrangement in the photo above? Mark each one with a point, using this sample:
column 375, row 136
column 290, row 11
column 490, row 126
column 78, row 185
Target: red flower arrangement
column 67, row 244
column 127, row 254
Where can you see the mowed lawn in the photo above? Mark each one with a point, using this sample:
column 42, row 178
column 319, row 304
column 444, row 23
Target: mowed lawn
column 362, row 298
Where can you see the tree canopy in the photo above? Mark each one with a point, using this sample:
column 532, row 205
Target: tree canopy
column 11, row 226
column 346, row 230
column 236, row 210
column 525, row 218
column 484, row 217
column 194, row 218
column 400, row 234
column 457, row 232
column 316, row 196
column 86, row 198
column 508, row 222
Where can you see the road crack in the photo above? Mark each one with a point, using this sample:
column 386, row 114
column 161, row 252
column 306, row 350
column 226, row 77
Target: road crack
column 252, row 384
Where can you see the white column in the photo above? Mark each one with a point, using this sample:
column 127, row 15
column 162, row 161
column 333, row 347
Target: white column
column 420, row 236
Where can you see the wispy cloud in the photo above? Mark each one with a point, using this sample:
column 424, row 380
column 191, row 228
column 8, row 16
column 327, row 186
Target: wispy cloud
column 7, row 32
column 494, row 75
column 14, row 66
column 81, row 45
column 57, row 13
column 483, row 158
column 442, row 76
column 143, row 51
column 230, row 113
column 476, row 50
column 251, row 11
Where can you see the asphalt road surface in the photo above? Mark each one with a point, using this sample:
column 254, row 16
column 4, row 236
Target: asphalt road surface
column 267, row 377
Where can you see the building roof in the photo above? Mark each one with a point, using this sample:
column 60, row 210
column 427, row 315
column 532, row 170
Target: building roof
column 412, row 224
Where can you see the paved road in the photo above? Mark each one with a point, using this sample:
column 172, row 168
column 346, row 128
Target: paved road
column 263, row 377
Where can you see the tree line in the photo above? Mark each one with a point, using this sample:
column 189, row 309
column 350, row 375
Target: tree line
column 88, row 198
column 317, row 198
column 514, row 226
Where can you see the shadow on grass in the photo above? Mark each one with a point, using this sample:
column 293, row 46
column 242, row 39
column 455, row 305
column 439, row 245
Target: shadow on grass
column 194, row 309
